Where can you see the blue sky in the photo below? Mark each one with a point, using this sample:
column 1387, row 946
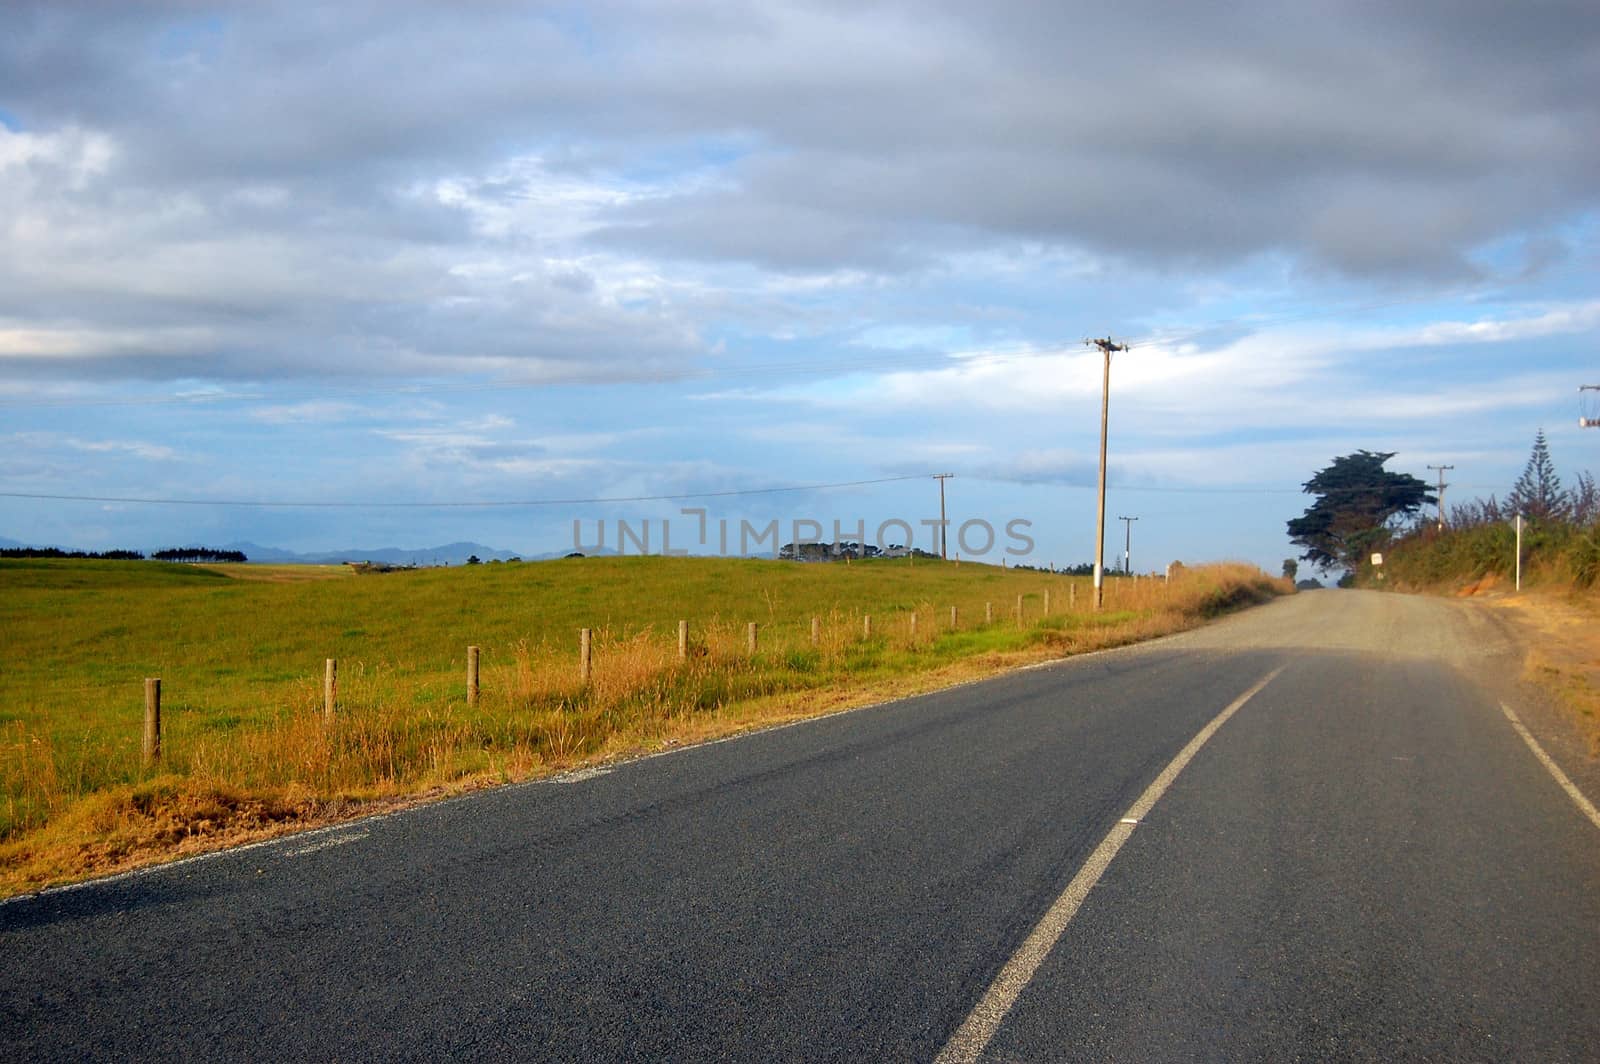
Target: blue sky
column 494, row 252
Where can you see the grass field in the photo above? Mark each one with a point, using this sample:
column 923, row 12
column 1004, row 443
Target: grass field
column 240, row 651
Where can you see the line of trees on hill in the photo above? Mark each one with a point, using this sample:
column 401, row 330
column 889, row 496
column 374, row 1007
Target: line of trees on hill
column 198, row 554
column 171, row 554
column 57, row 552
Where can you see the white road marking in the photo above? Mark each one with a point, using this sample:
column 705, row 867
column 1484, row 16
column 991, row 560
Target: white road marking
column 970, row 1040
column 1577, row 796
column 327, row 844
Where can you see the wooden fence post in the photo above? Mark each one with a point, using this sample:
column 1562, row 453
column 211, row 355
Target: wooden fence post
column 866, row 626
column 1072, row 596
column 683, row 640
column 988, row 613
column 954, row 624
column 152, row 720
column 750, row 638
column 913, row 626
column 1047, row 602
column 1019, row 609
column 816, row 631
column 585, row 654
column 330, row 689
column 472, row 676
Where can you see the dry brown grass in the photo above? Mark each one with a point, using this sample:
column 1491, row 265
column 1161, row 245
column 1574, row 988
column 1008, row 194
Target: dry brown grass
column 284, row 574
column 1564, row 650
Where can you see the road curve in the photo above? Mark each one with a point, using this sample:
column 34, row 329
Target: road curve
column 1363, row 861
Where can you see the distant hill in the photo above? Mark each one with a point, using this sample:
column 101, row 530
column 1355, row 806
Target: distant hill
column 445, row 554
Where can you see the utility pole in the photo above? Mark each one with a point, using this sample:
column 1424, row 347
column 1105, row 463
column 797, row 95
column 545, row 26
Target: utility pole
column 944, row 526
column 1127, row 544
column 1442, row 486
column 1107, row 346
column 1584, row 421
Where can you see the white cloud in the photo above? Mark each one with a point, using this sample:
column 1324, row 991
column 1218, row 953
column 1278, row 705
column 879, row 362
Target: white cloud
column 1558, row 321
column 71, row 155
column 522, row 198
column 1271, row 378
column 63, row 342
column 313, row 411
column 47, row 442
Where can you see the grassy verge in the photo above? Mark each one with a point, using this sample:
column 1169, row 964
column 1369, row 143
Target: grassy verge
column 1562, row 630
column 1554, row 554
column 246, row 751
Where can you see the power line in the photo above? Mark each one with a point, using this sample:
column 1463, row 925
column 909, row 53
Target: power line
column 452, row 505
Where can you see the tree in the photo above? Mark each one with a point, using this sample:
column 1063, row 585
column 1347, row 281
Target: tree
column 1537, row 494
column 198, row 554
column 1356, row 501
column 1585, row 501
column 1291, row 568
column 474, row 560
column 1475, row 513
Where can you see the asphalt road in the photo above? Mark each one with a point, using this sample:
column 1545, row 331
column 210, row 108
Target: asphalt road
column 1365, row 861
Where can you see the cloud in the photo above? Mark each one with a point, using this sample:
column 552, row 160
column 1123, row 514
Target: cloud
column 490, row 447
column 313, row 411
column 70, row 156
column 570, row 187
column 137, row 448
column 44, row 443
column 54, row 342
column 1558, row 321
column 1369, row 142
column 1271, row 378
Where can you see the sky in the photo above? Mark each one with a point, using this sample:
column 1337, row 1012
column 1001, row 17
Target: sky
column 436, row 272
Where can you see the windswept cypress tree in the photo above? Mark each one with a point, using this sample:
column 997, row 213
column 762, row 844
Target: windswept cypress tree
column 1356, row 498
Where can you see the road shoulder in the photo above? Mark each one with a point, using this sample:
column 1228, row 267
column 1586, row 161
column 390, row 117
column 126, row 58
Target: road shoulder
column 1556, row 687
